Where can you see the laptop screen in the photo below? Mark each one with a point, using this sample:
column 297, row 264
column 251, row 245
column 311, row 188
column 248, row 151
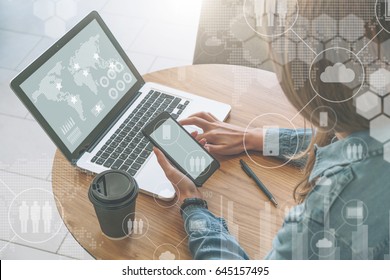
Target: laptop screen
column 78, row 86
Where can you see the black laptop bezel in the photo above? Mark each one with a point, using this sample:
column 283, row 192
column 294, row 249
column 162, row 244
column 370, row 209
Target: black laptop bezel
column 110, row 117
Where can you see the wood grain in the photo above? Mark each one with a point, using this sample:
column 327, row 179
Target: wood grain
column 230, row 193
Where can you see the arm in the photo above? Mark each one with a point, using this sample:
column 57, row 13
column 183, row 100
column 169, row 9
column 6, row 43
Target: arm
column 209, row 237
column 227, row 139
column 212, row 241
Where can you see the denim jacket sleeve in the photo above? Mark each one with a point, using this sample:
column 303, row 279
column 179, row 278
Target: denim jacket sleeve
column 291, row 142
column 208, row 236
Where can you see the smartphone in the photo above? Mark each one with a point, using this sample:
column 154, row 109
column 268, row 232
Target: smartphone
column 183, row 151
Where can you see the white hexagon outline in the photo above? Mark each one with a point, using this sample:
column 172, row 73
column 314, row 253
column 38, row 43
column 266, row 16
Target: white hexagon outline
column 374, row 88
column 349, row 16
column 371, row 130
column 362, row 112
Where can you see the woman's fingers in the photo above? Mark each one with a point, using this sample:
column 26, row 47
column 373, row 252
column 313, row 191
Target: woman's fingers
column 215, row 149
column 197, row 121
column 203, row 141
column 194, row 134
column 167, row 167
column 206, row 116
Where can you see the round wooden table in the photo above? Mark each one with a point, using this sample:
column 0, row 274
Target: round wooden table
column 256, row 98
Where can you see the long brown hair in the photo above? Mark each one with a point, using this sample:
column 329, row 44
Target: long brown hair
column 347, row 120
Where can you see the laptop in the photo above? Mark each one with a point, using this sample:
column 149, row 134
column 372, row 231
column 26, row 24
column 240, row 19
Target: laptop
column 92, row 102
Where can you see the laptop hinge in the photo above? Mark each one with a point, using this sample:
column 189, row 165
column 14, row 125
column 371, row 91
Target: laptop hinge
column 100, row 137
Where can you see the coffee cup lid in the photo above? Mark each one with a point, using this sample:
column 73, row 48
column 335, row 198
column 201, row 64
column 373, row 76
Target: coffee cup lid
column 113, row 186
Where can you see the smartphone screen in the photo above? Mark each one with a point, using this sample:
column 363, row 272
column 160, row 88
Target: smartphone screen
column 182, row 150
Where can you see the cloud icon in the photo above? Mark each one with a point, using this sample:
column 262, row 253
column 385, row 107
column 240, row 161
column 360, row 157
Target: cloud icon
column 324, row 243
column 167, row 255
column 338, row 73
column 213, row 42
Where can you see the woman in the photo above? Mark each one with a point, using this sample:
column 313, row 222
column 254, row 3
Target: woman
column 344, row 199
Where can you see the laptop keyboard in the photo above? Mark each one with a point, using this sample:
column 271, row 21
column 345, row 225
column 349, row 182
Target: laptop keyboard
column 127, row 149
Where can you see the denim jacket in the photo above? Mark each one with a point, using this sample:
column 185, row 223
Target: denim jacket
column 345, row 216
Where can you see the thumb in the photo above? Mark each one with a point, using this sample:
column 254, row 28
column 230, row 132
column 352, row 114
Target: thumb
column 167, row 167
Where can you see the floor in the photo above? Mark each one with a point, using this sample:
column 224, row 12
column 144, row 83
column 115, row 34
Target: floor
column 156, row 34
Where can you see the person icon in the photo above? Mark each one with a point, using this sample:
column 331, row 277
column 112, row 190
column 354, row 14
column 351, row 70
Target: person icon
column 354, row 152
column 360, row 151
column 47, row 217
column 202, row 163
column 35, row 215
column 270, row 8
column 130, row 226
column 282, row 12
column 349, row 151
column 23, row 216
column 192, row 163
column 259, row 12
column 135, row 226
column 197, row 163
column 141, row 226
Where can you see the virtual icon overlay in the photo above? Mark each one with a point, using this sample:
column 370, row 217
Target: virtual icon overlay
column 271, row 17
column 31, row 216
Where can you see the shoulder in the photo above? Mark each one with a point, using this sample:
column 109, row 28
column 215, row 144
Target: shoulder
column 349, row 206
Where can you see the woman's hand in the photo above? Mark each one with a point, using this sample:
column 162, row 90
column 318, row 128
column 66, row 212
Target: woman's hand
column 222, row 138
column 184, row 187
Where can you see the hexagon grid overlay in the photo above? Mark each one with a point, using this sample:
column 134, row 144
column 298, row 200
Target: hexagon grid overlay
column 54, row 14
column 324, row 27
column 368, row 105
column 351, row 28
column 380, row 129
column 380, row 82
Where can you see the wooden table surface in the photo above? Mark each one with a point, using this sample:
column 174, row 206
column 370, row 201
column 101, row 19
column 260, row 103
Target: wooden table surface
column 255, row 97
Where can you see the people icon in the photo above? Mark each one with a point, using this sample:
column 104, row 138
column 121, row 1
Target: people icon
column 47, row 216
column 197, row 164
column 23, row 216
column 354, row 151
column 136, row 227
column 35, row 215
column 271, row 8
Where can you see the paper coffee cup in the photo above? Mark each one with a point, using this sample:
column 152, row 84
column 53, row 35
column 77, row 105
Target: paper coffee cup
column 113, row 194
